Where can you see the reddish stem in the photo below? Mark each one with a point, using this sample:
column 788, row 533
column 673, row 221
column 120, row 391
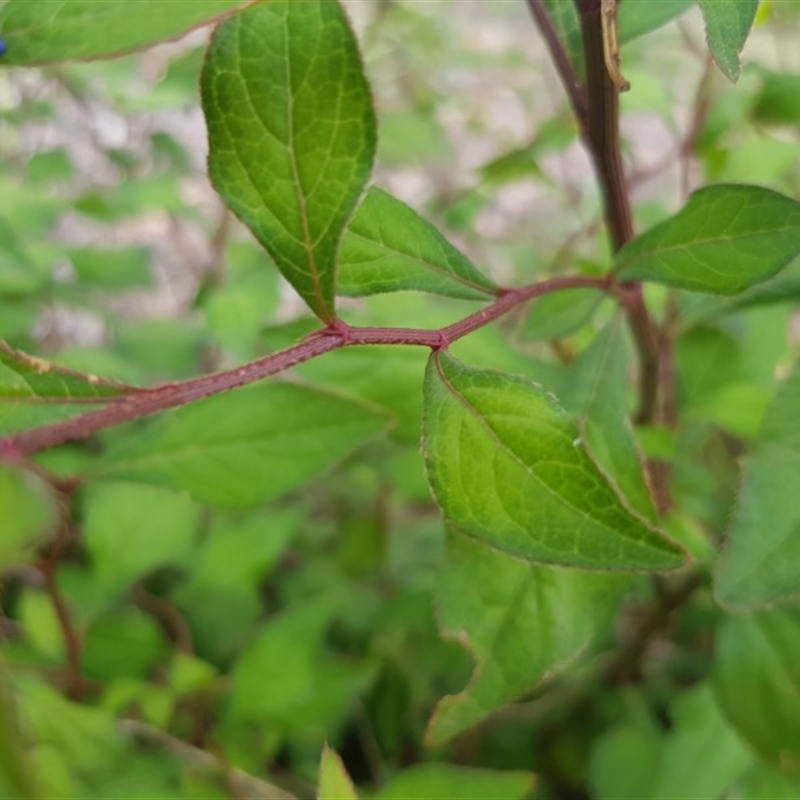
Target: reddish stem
column 336, row 335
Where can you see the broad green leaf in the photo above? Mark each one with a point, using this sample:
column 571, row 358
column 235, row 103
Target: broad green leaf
column 58, row 30
column 702, row 754
column 508, row 466
column 291, row 134
column 29, row 514
column 123, row 542
column 247, row 447
column 724, row 240
column 449, row 782
column 761, row 562
column 597, row 391
column 728, row 24
column 756, row 677
column 334, row 782
column 388, row 247
column 522, row 622
column 29, row 379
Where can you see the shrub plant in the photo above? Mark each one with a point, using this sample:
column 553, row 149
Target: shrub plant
column 229, row 554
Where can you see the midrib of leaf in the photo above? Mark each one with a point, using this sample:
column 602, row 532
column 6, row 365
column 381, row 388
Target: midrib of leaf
column 432, row 267
column 677, row 248
column 484, row 423
column 299, row 189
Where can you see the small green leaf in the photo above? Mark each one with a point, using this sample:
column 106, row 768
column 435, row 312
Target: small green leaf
column 728, row 24
column 334, row 782
column 724, row 240
column 29, row 514
column 508, row 466
column 123, row 542
column 39, row 33
column 521, row 622
column 761, row 562
column 756, row 678
column 247, row 447
column 291, row 133
column 556, row 315
column 448, row 782
column 388, row 247
column 597, row 391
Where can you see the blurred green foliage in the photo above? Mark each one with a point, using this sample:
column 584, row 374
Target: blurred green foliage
column 235, row 584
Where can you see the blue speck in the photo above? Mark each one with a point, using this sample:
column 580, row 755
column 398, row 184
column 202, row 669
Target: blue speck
column 3, row 48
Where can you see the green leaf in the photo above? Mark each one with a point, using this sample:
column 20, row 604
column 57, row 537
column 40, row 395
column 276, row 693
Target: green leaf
column 291, row 133
column 756, row 677
column 247, row 447
column 86, row 736
column 388, row 247
column 725, row 239
column 334, row 782
column 776, row 102
column 508, row 466
column 637, row 18
column 26, row 378
column 130, row 529
column 728, row 24
column 599, row 394
column 122, row 643
column 761, row 562
column 556, row 315
column 29, row 514
column 39, row 33
column 448, row 782
column 112, row 269
column 624, row 761
column 521, row 621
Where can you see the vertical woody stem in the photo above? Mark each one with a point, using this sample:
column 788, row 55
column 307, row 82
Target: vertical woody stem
column 602, row 137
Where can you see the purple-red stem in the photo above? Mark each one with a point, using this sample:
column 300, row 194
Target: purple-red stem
column 336, row 335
